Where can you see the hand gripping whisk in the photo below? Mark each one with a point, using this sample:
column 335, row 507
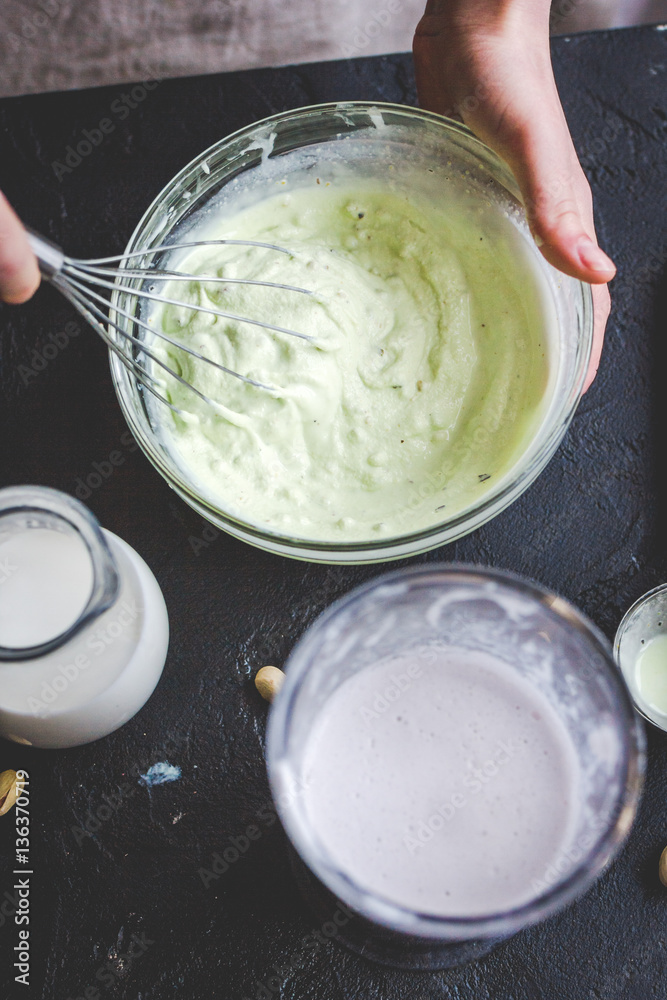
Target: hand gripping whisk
column 87, row 283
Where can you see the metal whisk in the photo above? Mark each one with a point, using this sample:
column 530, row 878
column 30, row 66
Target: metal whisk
column 80, row 281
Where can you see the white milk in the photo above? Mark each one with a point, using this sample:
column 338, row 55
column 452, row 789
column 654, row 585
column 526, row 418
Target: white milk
column 47, row 578
column 100, row 678
column 444, row 783
column 651, row 673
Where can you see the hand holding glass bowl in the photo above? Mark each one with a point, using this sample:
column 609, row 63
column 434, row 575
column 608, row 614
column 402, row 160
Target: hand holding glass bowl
column 415, row 155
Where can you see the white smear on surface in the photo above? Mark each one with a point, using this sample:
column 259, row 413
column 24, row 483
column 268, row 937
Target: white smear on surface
column 264, row 144
column 160, row 774
column 375, row 116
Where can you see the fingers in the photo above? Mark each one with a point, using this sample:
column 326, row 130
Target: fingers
column 519, row 116
column 19, row 273
column 559, row 207
column 523, row 121
column 554, row 189
column 499, row 77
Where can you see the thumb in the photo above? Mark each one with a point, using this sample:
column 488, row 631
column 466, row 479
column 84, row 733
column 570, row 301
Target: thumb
column 537, row 146
column 19, row 273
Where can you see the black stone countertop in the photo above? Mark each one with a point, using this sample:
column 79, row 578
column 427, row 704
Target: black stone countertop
column 591, row 527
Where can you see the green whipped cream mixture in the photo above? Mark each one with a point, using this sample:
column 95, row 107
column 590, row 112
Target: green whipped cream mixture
column 424, row 383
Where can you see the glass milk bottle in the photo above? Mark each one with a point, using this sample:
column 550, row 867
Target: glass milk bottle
column 83, row 623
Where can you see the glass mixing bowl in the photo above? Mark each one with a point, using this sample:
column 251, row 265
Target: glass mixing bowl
column 380, row 131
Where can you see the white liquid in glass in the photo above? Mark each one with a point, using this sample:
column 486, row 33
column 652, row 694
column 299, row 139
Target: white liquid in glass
column 100, row 677
column 47, row 578
column 442, row 782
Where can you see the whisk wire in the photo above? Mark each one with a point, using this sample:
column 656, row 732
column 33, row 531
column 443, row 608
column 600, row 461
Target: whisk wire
column 95, row 272
column 177, row 246
column 97, row 319
column 81, row 282
column 83, row 291
column 153, row 297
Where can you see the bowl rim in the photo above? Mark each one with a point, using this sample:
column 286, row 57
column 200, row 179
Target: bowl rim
column 625, row 669
column 369, row 550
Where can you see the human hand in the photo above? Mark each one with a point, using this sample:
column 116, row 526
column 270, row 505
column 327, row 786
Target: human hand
column 489, row 61
column 19, row 273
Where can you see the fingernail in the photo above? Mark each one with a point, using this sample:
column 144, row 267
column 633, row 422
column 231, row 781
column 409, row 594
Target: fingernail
column 595, row 259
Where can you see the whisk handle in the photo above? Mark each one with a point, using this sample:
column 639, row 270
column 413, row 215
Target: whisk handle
column 49, row 255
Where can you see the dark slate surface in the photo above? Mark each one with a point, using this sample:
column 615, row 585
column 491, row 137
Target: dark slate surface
column 591, row 528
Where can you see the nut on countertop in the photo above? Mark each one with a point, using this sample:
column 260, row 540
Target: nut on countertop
column 10, row 789
column 268, row 681
column 662, row 867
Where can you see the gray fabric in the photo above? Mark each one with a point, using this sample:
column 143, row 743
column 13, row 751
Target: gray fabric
column 68, row 44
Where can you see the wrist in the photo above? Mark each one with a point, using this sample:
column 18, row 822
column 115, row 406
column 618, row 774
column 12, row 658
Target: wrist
column 486, row 17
